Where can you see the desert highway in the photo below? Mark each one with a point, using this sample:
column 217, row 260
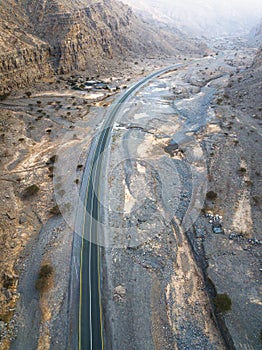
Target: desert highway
column 90, row 315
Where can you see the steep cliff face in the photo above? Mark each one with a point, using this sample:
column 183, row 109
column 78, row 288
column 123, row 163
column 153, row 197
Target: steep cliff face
column 40, row 38
column 24, row 58
column 80, row 33
column 24, row 66
column 78, row 36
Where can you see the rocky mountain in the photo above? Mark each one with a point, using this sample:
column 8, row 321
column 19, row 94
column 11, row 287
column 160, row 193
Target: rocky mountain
column 255, row 35
column 251, row 83
column 40, row 38
column 245, row 87
column 23, row 56
column 258, row 59
column 201, row 17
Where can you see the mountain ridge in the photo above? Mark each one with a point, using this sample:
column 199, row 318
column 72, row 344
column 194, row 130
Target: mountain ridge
column 40, row 39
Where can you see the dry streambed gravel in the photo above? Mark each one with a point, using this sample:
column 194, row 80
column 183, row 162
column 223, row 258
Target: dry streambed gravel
column 173, row 284
column 228, row 262
column 31, row 231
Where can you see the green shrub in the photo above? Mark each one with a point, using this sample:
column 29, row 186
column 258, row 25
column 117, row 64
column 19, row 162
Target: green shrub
column 211, row 195
column 55, row 210
column 44, row 278
column 30, row 191
column 4, row 96
column 53, row 158
column 243, row 170
column 222, row 302
column 6, row 317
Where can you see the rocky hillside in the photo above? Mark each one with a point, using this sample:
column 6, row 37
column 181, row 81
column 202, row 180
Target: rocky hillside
column 258, row 59
column 23, row 56
column 255, row 36
column 245, row 87
column 39, row 38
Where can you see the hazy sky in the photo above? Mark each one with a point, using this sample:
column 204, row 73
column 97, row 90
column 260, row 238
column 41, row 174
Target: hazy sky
column 242, row 4
column 201, row 15
column 237, row 3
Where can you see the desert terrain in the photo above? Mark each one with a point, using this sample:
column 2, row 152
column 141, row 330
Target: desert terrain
column 181, row 192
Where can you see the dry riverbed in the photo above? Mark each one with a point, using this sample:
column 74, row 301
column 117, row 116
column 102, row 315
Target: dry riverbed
column 158, row 293
column 34, row 124
column 192, row 118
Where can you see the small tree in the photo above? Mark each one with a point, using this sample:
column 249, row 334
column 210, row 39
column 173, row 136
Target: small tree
column 211, row 195
column 4, row 96
column 44, row 278
column 55, row 210
column 222, row 302
column 30, row 191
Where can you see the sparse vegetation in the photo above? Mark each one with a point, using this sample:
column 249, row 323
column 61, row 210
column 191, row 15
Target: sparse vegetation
column 44, row 278
column 55, row 210
column 222, row 302
column 53, row 158
column 256, row 200
column 219, row 101
column 211, row 195
column 30, row 191
column 4, row 96
column 242, row 170
column 6, row 316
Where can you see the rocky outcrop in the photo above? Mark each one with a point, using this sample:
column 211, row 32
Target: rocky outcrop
column 21, row 67
column 24, row 58
column 79, row 34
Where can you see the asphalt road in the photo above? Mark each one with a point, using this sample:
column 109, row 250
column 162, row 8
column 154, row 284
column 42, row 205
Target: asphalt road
column 90, row 316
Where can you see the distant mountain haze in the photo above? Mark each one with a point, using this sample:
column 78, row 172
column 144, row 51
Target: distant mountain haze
column 203, row 17
column 255, row 35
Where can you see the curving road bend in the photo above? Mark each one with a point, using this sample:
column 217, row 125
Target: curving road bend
column 90, row 317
